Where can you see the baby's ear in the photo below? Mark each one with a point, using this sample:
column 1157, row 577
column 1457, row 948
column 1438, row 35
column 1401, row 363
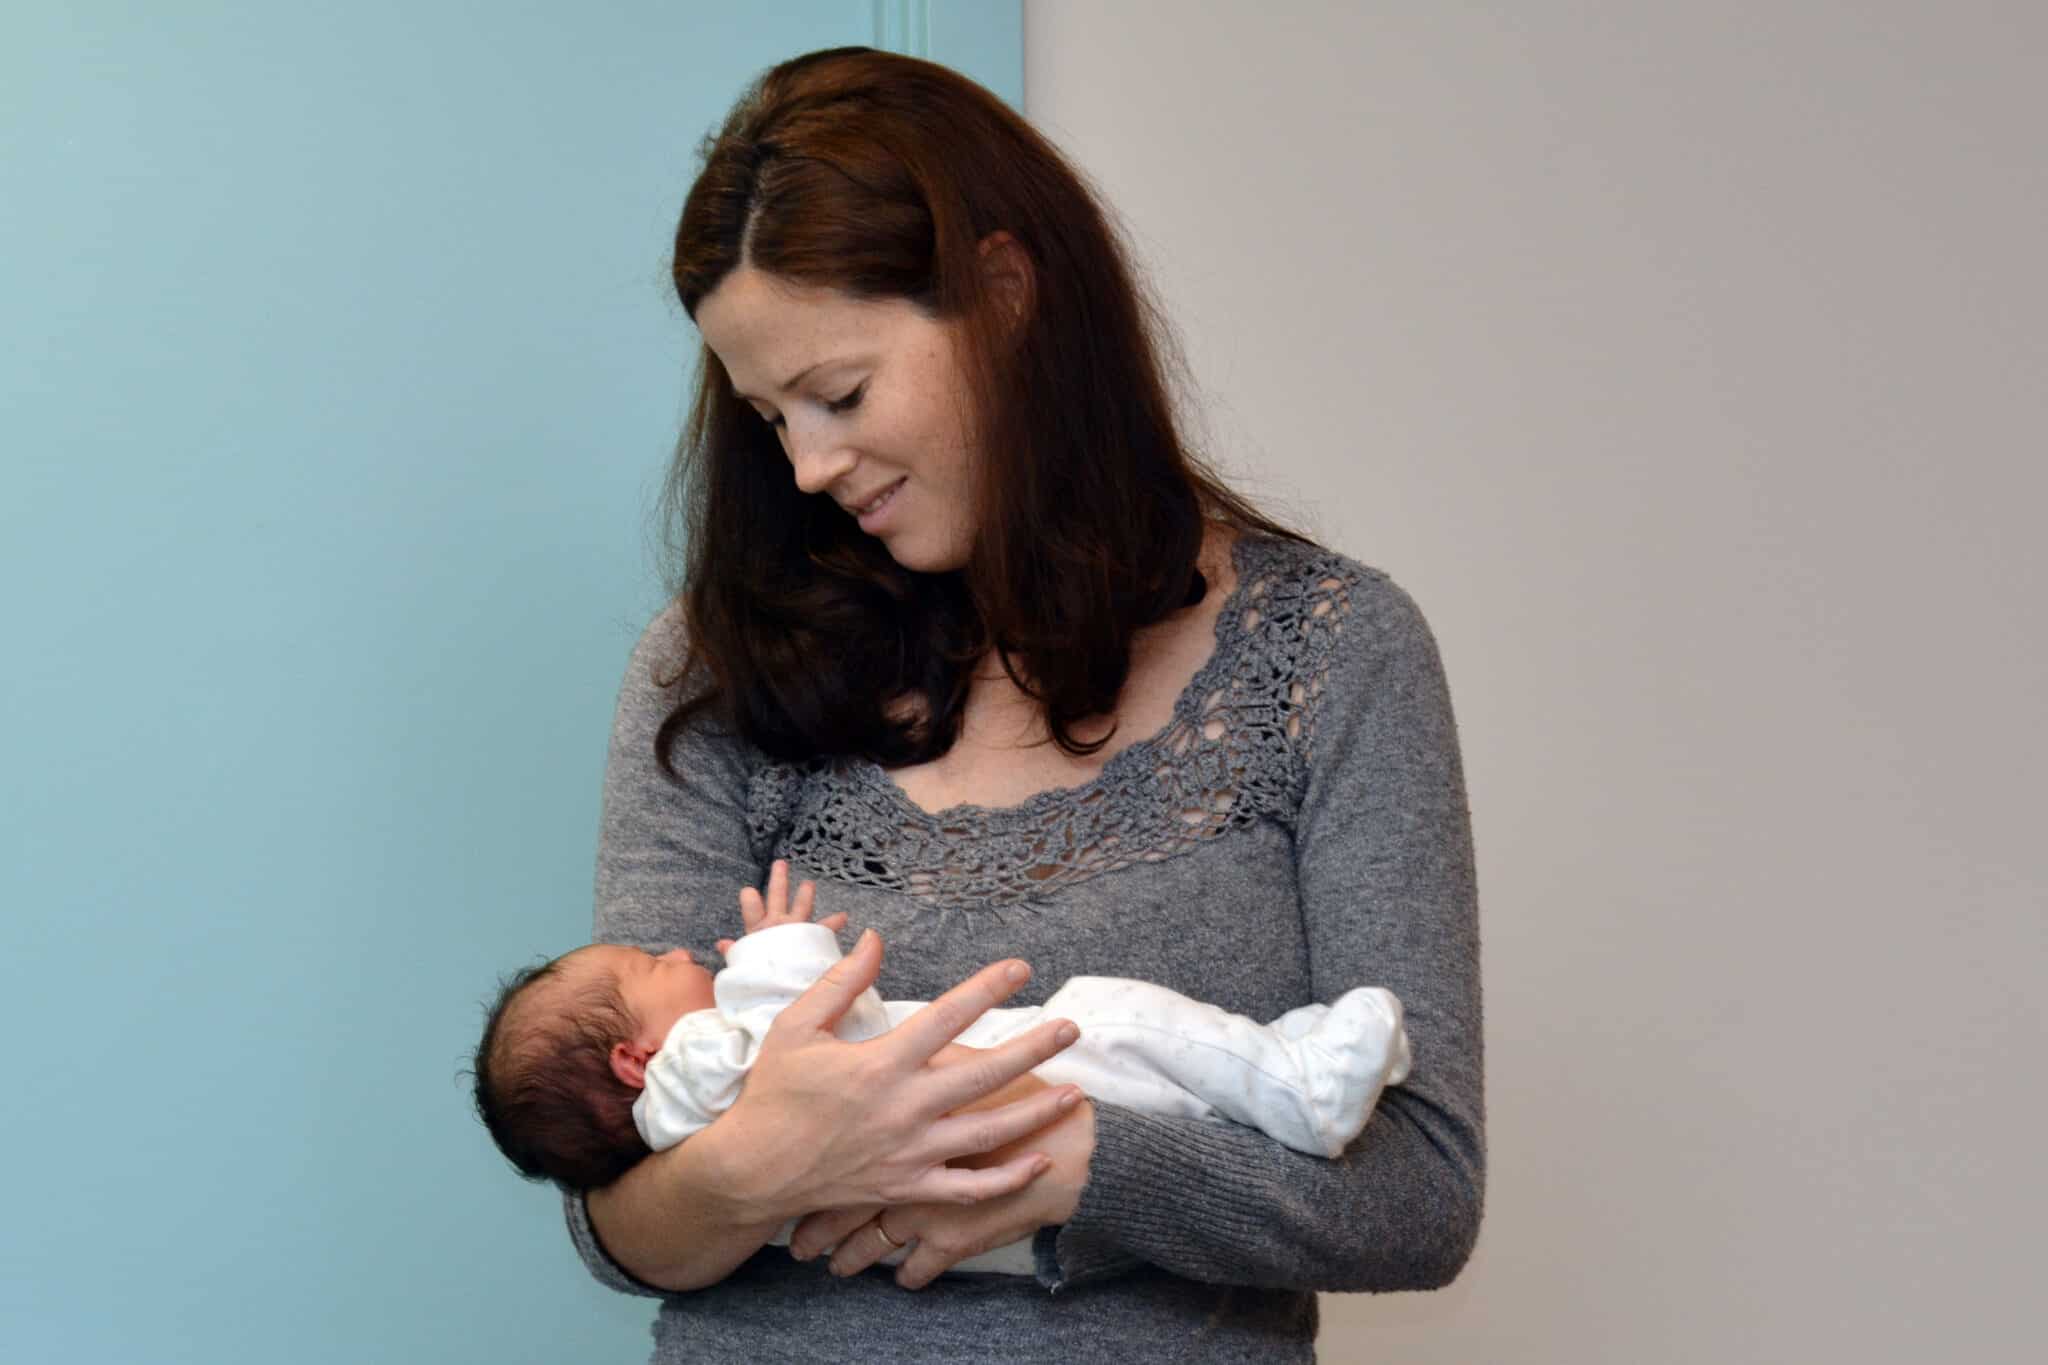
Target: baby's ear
column 629, row 1063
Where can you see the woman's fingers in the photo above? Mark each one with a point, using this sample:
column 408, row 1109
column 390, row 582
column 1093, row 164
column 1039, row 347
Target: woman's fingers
column 828, row 1228
column 820, row 1006
column 947, row 1233
column 863, row 1246
column 923, row 1265
column 959, row 1080
column 928, row 1259
column 976, row 1184
column 917, row 1039
column 921, row 1259
column 962, row 1137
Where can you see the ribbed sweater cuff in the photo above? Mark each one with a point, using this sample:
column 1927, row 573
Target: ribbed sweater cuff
column 1146, row 1198
column 608, row 1272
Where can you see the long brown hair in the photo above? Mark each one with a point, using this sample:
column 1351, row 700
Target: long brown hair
column 880, row 176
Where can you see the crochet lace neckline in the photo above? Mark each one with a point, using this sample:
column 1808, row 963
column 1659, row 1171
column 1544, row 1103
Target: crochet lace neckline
column 1186, row 705
column 1234, row 749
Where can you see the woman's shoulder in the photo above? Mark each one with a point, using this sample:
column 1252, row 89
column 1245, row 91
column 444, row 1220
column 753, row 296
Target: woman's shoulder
column 660, row 677
column 712, row 772
column 1301, row 562
column 1320, row 634
column 1298, row 592
column 662, row 647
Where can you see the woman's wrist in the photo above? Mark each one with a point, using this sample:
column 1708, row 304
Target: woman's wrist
column 737, row 1185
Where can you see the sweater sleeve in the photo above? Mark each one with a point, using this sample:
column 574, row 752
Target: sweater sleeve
column 1384, row 866
column 672, row 855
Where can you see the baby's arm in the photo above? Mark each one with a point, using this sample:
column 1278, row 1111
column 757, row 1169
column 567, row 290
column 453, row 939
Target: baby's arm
column 698, row 1072
column 766, row 971
column 778, row 907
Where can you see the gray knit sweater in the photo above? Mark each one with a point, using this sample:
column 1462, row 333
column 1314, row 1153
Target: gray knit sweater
column 1298, row 829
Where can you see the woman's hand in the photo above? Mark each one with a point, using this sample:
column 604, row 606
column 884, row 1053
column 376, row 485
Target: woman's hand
column 946, row 1234
column 827, row 1124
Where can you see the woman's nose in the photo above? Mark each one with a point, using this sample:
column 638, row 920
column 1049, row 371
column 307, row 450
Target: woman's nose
column 817, row 460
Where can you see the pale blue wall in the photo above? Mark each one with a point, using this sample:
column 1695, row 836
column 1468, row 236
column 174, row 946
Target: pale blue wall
column 336, row 366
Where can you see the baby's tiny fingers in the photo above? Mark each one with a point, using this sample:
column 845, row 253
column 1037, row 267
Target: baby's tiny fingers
column 751, row 908
column 806, row 896
column 724, row 946
column 834, row 922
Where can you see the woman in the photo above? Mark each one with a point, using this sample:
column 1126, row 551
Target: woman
column 967, row 635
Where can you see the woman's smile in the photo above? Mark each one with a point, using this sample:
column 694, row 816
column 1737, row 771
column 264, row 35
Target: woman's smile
column 873, row 515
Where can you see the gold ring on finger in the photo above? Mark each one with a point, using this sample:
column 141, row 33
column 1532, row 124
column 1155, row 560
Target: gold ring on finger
column 883, row 1233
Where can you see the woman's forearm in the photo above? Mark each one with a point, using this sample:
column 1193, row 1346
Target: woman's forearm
column 676, row 1222
column 1219, row 1202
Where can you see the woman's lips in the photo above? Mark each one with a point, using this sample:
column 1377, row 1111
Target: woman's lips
column 875, row 514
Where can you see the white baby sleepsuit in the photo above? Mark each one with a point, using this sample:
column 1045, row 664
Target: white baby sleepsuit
column 1309, row 1079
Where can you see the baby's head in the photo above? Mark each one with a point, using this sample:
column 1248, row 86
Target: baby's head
column 564, row 1055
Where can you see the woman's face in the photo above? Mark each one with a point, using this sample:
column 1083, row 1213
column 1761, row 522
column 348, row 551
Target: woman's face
column 867, row 400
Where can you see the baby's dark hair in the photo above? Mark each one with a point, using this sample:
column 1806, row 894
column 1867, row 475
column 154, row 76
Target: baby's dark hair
column 544, row 1082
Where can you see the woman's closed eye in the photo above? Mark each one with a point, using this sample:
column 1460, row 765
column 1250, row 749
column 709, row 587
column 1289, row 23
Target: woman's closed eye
column 835, row 406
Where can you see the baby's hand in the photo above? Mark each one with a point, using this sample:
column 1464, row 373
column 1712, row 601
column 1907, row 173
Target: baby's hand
column 778, row 907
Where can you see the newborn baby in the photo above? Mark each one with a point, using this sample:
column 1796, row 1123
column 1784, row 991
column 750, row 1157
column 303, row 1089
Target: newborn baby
column 607, row 1053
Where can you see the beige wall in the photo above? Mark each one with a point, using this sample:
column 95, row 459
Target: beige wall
column 1687, row 363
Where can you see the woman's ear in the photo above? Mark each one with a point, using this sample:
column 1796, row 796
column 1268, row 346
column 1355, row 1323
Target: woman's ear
column 1006, row 270
column 629, row 1063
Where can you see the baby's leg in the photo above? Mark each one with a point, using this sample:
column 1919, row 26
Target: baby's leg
column 1310, row 1079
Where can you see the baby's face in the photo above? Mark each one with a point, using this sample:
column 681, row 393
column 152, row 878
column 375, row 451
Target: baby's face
column 658, row 990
